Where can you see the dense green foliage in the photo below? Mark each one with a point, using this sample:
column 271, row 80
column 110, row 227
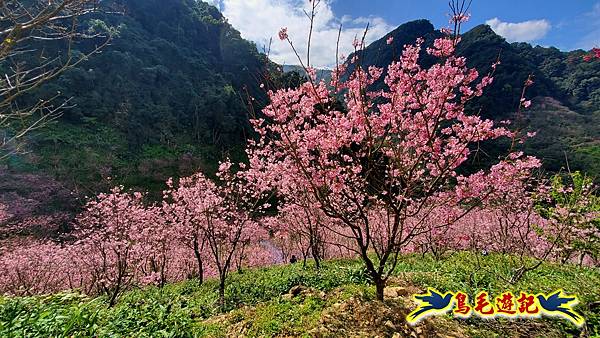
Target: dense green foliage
column 167, row 96
column 189, row 309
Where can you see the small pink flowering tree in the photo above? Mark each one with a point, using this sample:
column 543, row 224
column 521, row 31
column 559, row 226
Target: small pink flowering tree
column 156, row 241
column 386, row 155
column 233, row 225
column 503, row 218
column 573, row 214
column 303, row 224
column 110, row 246
column 191, row 206
column 220, row 217
column 507, row 222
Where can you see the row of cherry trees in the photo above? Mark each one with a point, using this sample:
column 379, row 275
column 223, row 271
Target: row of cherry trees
column 205, row 229
column 201, row 228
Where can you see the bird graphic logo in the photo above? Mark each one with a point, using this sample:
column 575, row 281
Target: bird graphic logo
column 431, row 303
column 526, row 305
column 559, row 304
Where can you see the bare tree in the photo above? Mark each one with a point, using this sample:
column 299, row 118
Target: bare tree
column 36, row 45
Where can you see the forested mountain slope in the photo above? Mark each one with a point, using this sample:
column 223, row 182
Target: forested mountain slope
column 167, row 96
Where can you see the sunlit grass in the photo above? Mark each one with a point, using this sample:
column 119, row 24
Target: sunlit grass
column 187, row 309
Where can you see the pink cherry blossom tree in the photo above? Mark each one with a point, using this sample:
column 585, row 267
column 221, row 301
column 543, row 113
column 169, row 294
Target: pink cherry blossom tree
column 383, row 157
column 508, row 223
column 234, row 222
column 156, row 240
column 191, row 206
column 573, row 214
column 110, row 246
column 302, row 223
column 220, row 217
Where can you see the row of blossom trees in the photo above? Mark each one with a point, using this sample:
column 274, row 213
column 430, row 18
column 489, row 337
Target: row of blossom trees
column 121, row 241
column 206, row 229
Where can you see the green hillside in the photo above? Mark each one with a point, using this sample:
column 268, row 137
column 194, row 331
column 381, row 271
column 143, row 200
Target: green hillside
column 284, row 301
column 166, row 97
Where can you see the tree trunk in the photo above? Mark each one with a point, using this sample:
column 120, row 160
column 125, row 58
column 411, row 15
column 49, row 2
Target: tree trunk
column 317, row 262
column 199, row 260
column 316, row 255
column 222, row 293
column 113, row 296
column 305, row 257
column 379, row 286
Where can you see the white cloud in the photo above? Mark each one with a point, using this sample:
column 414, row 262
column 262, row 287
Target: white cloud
column 525, row 31
column 595, row 11
column 260, row 20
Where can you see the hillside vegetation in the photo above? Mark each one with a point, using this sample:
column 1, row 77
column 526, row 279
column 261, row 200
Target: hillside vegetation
column 333, row 301
column 166, row 97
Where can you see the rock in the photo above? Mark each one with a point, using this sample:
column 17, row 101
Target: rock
column 296, row 290
column 395, row 292
column 390, row 325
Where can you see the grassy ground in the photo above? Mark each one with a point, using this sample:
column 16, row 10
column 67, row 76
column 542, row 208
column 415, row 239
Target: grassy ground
column 335, row 301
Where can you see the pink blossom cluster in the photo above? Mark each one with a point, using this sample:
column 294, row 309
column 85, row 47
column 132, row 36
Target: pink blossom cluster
column 593, row 54
column 34, row 267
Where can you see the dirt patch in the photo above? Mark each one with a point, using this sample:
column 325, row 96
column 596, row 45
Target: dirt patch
column 356, row 317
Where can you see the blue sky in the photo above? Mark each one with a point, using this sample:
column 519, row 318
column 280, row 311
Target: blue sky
column 573, row 23
column 566, row 24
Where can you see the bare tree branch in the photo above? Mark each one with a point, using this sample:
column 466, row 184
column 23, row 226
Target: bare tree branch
column 27, row 29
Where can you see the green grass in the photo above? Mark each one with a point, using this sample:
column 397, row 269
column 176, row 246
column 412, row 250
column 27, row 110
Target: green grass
column 255, row 308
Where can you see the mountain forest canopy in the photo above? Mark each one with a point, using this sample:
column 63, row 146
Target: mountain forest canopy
column 168, row 95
